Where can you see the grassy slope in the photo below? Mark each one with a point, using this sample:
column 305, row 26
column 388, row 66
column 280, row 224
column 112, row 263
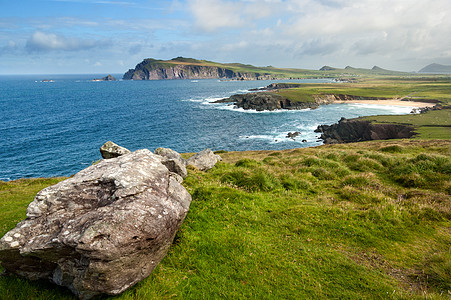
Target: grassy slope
column 354, row 221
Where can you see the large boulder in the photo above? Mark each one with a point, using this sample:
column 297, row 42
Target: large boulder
column 112, row 150
column 203, row 160
column 173, row 161
column 102, row 230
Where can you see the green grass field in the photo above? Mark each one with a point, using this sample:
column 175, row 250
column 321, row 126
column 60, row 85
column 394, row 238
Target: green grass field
column 368, row 220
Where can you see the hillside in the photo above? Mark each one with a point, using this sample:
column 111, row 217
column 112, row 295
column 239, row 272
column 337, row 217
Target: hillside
column 353, row 221
column 435, row 68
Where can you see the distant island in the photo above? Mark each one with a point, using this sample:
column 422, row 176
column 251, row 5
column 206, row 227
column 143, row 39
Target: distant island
column 106, row 78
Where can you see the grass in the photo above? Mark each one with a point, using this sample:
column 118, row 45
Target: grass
column 419, row 89
column 353, row 221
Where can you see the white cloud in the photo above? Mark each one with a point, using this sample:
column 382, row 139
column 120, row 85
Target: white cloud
column 42, row 42
column 10, row 47
column 211, row 15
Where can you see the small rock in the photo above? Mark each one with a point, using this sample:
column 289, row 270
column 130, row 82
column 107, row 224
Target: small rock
column 112, row 150
column 203, row 160
column 173, row 161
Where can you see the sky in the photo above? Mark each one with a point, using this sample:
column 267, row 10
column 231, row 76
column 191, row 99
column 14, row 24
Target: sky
column 112, row 36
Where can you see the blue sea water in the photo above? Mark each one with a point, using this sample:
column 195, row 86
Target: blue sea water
column 56, row 128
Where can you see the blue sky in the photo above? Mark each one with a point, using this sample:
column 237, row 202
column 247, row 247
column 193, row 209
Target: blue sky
column 108, row 36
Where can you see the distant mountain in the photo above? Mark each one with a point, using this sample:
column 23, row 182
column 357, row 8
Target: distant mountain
column 374, row 70
column 327, row 68
column 436, row 68
column 379, row 69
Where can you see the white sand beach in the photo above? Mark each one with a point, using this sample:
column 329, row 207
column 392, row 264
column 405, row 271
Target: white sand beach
column 393, row 102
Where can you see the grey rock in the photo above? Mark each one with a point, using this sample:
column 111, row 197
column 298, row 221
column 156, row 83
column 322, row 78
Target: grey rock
column 102, row 230
column 203, row 160
column 111, row 150
column 173, row 161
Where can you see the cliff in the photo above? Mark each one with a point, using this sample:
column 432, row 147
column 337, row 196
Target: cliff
column 357, row 130
column 187, row 68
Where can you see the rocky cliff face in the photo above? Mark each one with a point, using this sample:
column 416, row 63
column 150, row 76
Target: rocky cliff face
column 150, row 70
column 265, row 101
column 356, row 130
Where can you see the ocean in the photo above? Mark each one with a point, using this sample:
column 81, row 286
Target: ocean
column 55, row 127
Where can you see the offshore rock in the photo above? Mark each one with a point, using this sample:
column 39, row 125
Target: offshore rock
column 111, row 150
column 173, row 161
column 102, row 230
column 203, row 160
column 293, row 135
column 263, row 101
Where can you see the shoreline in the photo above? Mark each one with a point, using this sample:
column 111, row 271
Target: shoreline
column 392, row 102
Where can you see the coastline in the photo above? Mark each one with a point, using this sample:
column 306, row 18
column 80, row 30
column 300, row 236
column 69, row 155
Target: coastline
column 391, row 102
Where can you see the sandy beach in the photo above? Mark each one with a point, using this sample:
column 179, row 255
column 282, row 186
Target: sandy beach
column 393, row 102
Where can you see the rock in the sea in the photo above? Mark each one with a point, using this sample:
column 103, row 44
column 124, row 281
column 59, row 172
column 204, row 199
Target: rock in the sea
column 293, row 135
column 102, row 230
column 203, row 160
column 173, row 161
column 111, row 150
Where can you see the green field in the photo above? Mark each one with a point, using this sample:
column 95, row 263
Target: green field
column 368, row 220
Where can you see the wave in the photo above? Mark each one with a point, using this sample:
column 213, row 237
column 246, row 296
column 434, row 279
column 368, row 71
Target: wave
column 232, row 107
column 281, row 137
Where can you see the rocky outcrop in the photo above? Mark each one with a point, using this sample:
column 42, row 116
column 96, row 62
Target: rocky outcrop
column 112, row 150
column 102, row 230
column 357, row 130
column 203, row 160
column 151, row 69
column 262, row 101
